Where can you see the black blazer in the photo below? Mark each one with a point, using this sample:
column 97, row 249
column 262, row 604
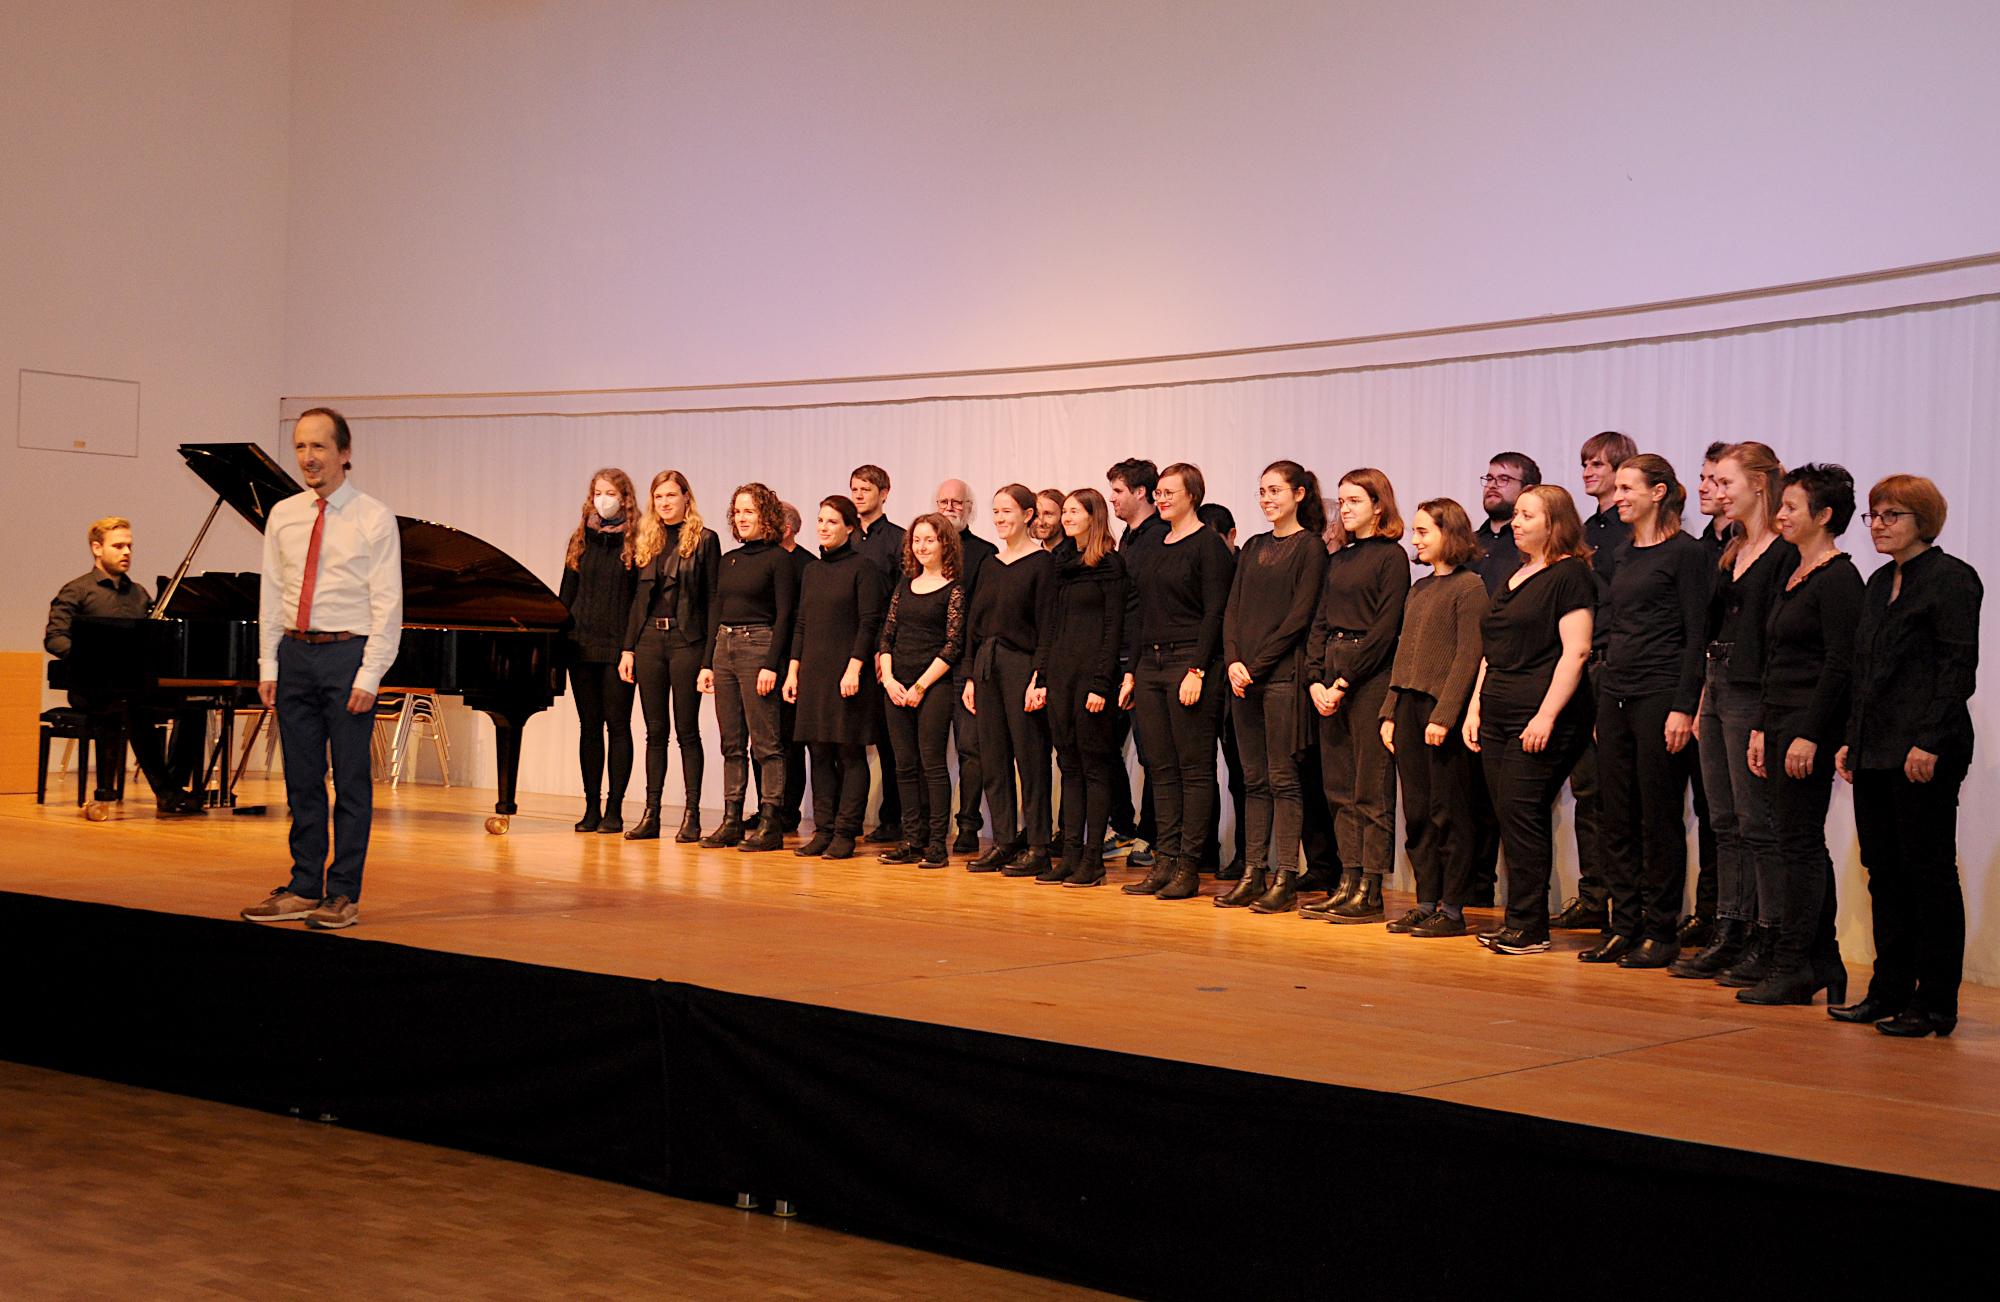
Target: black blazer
column 693, row 580
column 1915, row 662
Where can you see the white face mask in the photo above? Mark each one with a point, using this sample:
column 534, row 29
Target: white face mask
column 607, row 505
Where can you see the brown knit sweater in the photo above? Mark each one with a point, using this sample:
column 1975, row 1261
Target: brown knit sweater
column 1439, row 652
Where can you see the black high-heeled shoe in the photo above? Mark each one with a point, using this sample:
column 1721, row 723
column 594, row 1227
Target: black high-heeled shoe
column 1872, row 1008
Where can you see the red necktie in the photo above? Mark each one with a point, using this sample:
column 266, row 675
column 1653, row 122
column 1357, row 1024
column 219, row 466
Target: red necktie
column 312, row 570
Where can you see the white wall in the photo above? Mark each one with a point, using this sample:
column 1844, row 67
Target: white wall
column 142, row 237
column 505, row 195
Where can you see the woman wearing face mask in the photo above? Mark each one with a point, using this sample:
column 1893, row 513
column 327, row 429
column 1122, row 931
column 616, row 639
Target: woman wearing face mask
column 1010, row 616
column 1647, row 694
column 1908, row 746
column 598, row 580
column 1430, row 684
column 1348, row 658
column 1808, row 689
column 841, row 602
column 1746, row 485
column 1078, row 659
column 1047, row 528
column 1264, row 629
column 1528, row 722
column 1182, row 581
column 667, row 636
column 923, row 636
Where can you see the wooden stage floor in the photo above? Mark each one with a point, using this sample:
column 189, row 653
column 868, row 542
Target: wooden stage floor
column 1351, row 1005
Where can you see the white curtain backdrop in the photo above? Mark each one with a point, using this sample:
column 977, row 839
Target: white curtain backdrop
column 1914, row 390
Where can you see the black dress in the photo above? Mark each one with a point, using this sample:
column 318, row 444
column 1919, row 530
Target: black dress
column 840, row 610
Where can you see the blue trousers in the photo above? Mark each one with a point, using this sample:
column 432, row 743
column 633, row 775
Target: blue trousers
column 314, row 681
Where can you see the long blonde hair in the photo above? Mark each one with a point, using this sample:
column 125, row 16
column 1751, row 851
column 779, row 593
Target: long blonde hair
column 653, row 533
column 1760, row 462
column 628, row 507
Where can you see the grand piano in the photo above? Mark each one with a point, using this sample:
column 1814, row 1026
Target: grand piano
column 476, row 624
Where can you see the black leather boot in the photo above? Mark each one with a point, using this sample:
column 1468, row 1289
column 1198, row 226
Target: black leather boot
column 996, row 858
column 613, row 820
column 1343, row 890
column 1061, row 870
column 591, row 818
column 819, row 845
column 1756, row 961
column 1725, row 948
column 842, row 847
column 1185, row 883
column 731, row 831
column 690, row 823
column 1282, row 896
column 1031, row 862
column 1156, row 877
column 1089, row 873
column 648, row 826
column 770, row 833
column 1248, row 887
column 1364, row 905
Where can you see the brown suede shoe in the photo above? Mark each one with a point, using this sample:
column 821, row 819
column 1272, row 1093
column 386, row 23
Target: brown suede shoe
column 336, row 912
column 280, row 906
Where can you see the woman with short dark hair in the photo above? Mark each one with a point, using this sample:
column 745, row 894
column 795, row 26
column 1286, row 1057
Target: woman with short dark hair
column 1808, row 677
column 1908, row 746
column 840, row 610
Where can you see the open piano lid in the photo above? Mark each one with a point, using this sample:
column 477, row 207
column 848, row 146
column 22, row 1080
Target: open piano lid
column 449, row 576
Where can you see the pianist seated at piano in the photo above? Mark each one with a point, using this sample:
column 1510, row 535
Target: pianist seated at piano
column 107, row 592
column 330, row 620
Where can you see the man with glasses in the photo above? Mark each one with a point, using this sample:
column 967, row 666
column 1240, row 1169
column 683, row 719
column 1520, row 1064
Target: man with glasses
column 954, row 503
column 1506, row 475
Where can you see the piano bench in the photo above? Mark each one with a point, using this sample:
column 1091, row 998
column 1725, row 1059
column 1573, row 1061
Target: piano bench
column 85, row 728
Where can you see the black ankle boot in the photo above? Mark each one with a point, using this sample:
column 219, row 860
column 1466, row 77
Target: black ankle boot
column 770, row 833
column 841, row 848
column 1724, row 950
column 1156, row 877
column 1365, row 905
column 591, row 818
column 1756, row 961
column 819, row 845
column 1790, row 986
column 731, row 831
column 995, row 858
column 1032, row 862
column 690, row 823
column 1343, row 890
column 1283, row 895
column 1247, row 889
column 1090, row 872
column 648, row 826
column 1184, row 884
column 1061, row 870
column 613, row 820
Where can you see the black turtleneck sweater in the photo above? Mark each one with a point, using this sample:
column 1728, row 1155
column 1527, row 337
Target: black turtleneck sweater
column 759, row 585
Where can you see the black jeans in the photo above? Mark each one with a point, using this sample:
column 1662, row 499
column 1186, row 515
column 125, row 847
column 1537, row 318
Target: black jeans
column 1273, row 810
column 747, row 719
column 1125, row 820
column 1800, row 805
column 666, row 666
column 923, row 766
column 1437, row 803
column 1361, row 778
column 1909, row 842
column 1593, row 885
column 1705, row 889
column 840, row 787
column 604, row 707
column 793, row 796
column 1525, row 788
column 1087, row 748
column 1644, row 791
column 1236, row 785
column 1010, row 738
column 890, row 810
column 1739, row 802
column 971, row 772
column 314, row 681
column 1179, row 744
column 1321, row 846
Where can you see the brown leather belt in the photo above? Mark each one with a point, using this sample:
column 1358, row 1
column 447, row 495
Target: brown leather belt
column 317, row 638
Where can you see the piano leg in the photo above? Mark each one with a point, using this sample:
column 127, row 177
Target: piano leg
column 507, row 757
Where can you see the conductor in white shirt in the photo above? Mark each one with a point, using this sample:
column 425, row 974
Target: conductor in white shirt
column 330, row 618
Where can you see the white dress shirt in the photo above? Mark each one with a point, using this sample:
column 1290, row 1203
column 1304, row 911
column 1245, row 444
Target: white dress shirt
column 360, row 583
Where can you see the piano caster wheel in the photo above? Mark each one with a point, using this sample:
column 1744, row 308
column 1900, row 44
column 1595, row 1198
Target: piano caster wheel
column 97, row 811
column 497, row 825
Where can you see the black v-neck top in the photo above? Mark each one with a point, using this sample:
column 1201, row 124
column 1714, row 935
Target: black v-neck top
column 1521, row 634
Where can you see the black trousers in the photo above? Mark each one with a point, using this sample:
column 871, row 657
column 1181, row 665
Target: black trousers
column 1271, row 813
column 923, row 765
column 1485, row 837
column 792, row 799
column 1909, row 842
column 1125, row 820
column 1322, row 847
column 1237, row 786
column 314, row 682
column 1800, row 805
column 1593, row 886
column 971, row 773
column 1179, row 744
column 840, row 787
column 666, row 666
column 1011, row 738
column 1708, row 856
column 1088, row 749
column 890, row 811
column 604, row 707
column 1360, row 778
column 166, row 769
column 1644, row 803
column 1437, row 803
column 1525, row 788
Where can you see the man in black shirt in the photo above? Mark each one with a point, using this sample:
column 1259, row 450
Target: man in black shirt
column 1131, row 484
column 107, row 592
column 1506, row 475
column 1716, row 536
column 881, row 541
column 954, row 503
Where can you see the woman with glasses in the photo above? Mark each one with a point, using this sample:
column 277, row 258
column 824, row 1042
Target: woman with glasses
column 1182, row 585
column 1808, row 675
column 1078, row 660
column 1908, row 746
column 1264, row 630
column 1348, row 658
